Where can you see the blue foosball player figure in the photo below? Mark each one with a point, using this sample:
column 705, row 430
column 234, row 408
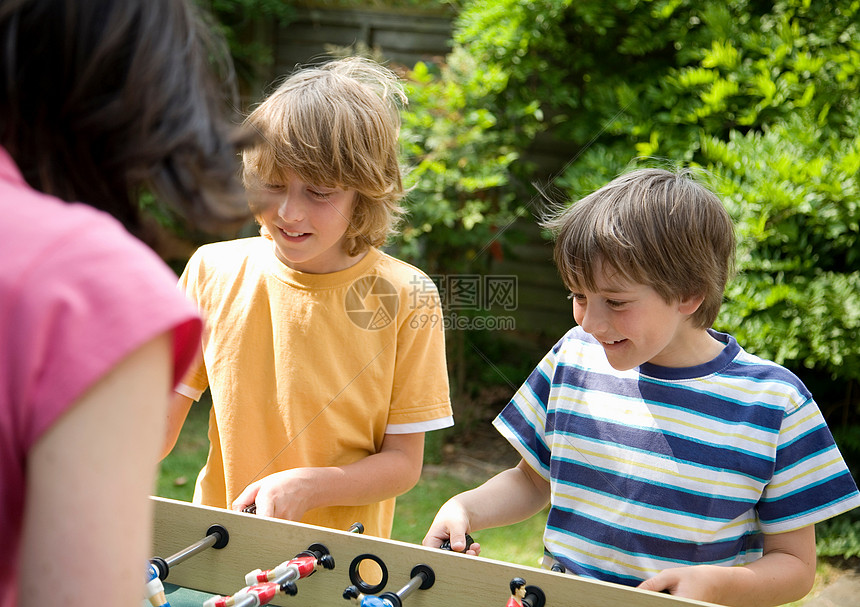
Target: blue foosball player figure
column 153, row 589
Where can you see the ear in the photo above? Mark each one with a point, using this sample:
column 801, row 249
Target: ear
column 689, row 305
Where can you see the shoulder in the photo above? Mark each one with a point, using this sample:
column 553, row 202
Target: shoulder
column 229, row 257
column 577, row 347
column 55, row 241
column 765, row 375
column 416, row 290
column 230, row 252
column 73, row 257
column 401, row 273
column 81, row 293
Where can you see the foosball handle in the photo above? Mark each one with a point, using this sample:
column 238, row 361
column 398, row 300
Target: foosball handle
column 446, row 545
column 322, row 555
column 534, row 597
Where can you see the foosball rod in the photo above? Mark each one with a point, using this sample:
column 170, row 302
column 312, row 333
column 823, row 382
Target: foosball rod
column 255, row 595
column 422, row 577
column 216, row 537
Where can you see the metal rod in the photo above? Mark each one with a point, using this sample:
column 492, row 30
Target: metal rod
column 411, row 586
column 196, row 547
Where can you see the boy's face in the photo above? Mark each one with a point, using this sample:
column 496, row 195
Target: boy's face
column 307, row 223
column 634, row 324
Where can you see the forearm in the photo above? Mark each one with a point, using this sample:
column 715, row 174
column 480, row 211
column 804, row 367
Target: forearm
column 509, row 497
column 783, row 574
column 372, row 479
column 177, row 411
column 775, row 579
column 290, row 493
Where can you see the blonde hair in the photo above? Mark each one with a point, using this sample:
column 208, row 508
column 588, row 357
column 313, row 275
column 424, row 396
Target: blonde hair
column 652, row 227
column 336, row 125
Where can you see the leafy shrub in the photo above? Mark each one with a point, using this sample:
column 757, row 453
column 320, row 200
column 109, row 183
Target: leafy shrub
column 793, row 193
column 839, row 537
column 761, row 93
column 460, row 161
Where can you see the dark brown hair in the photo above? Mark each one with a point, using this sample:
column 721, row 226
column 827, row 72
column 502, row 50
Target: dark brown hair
column 101, row 98
column 653, row 227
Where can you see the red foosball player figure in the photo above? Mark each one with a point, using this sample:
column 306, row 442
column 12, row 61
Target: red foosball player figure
column 250, row 596
column 518, row 592
column 303, row 565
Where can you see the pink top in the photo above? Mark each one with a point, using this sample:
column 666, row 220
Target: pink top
column 77, row 294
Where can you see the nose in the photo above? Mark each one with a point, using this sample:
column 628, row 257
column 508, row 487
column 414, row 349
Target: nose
column 591, row 317
column 290, row 208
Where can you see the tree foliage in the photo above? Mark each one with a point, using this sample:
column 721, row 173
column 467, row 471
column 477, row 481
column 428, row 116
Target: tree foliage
column 237, row 21
column 762, row 94
column 460, row 160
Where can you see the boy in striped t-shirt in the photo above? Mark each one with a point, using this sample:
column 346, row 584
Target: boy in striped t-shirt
column 671, row 459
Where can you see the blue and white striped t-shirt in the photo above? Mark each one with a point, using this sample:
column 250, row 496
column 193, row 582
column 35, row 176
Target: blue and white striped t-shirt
column 661, row 467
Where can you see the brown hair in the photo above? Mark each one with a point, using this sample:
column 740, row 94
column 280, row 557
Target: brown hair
column 652, row 227
column 103, row 97
column 336, row 125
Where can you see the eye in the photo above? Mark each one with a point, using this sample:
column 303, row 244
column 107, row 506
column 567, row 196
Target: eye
column 319, row 194
column 273, row 187
column 614, row 303
column 577, row 297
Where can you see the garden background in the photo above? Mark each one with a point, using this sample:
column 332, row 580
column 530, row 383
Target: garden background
column 524, row 103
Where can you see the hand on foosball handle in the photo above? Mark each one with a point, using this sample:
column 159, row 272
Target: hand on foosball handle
column 446, row 545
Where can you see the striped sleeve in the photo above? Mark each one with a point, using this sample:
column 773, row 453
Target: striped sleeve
column 811, row 482
column 523, row 421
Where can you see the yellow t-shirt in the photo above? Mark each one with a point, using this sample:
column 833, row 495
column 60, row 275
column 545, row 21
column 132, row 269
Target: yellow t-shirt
column 312, row 369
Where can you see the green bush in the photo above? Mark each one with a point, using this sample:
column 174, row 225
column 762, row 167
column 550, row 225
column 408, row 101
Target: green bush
column 793, row 193
column 763, row 94
column 460, row 160
column 839, row 537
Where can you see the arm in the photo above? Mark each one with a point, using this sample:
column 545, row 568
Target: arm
column 88, row 517
column 784, row 573
column 177, row 411
column 389, row 473
column 509, row 497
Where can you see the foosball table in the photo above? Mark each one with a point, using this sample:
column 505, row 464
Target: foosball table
column 219, row 558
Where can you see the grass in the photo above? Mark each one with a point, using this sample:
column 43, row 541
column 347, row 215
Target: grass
column 179, row 469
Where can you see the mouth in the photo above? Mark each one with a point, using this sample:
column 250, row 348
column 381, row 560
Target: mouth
column 612, row 343
column 293, row 234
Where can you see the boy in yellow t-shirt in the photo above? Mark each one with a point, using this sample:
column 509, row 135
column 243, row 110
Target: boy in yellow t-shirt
column 324, row 370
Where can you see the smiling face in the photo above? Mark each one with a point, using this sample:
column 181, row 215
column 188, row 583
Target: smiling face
column 307, row 223
column 634, row 324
